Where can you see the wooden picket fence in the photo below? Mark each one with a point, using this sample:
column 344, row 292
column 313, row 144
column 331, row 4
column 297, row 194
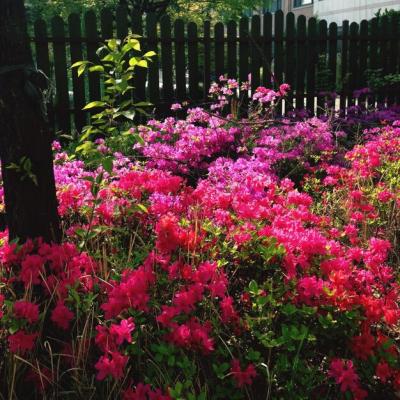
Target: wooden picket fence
column 191, row 57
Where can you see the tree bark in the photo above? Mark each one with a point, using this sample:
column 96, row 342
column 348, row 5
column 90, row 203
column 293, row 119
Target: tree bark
column 29, row 192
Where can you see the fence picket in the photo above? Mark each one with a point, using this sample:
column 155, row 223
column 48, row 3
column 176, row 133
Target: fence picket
column 353, row 61
column 243, row 49
column 322, row 84
column 62, row 107
column 78, row 84
column 290, row 64
column 153, row 70
column 91, row 48
column 311, row 61
column 193, row 61
column 394, row 53
column 106, row 24
column 255, row 51
column 43, row 59
column 267, row 47
column 139, row 79
column 232, row 49
column 166, row 59
column 301, row 61
column 279, row 55
column 219, row 51
column 363, row 54
column 207, row 59
column 344, row 67
column 332, row 56
column 180, row 64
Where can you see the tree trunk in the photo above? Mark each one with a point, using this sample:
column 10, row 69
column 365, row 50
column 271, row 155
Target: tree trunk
column 25, row 140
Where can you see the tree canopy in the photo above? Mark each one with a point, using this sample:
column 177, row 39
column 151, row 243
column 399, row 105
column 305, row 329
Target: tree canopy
column 189, row 10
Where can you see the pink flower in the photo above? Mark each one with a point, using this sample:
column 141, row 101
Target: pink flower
column 284, row 89
column 21, row 342
column 242, row 377
column 176, row 107
column 62, row 316
column 384, row 196
column 27, row 310
column 122, row 332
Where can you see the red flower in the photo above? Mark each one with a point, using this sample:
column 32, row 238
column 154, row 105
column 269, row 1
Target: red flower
column 21, row 342
column 383, row 371
column 30, row 269
column 113, row 366
column 345, row 376
column 228, row 313
column 242, row 377
column 27, row 310
column 62, row 316
column 363, row 345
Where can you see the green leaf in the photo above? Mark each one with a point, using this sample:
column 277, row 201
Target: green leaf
column 150, row 54
column 142, row 208
column 107, row 164
column 143, row 63
column 96, row 68
column 81, row 70
column 94, row 104
column 253, row 286
column 133, row 61
column 143, row 104
column 129, row 115
column 78, row 64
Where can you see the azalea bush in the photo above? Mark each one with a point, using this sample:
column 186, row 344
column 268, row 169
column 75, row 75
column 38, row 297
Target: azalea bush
column 224, row 255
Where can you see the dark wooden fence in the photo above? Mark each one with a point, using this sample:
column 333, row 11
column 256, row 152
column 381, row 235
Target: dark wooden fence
column 309, row 55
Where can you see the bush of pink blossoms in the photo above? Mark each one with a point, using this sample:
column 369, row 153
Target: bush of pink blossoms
column 239, row 285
